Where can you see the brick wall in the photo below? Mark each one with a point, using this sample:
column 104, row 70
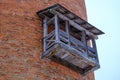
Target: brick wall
column 21, row 36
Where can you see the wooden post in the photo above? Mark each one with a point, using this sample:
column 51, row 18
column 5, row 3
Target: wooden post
column 85, row 42
column 57, row 28
column 45, row 28
column 68, row 31
column 95, row 48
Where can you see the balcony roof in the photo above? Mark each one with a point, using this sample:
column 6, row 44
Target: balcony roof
column 58, row 9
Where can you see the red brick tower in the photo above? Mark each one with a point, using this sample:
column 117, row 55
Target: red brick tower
column 21, row 34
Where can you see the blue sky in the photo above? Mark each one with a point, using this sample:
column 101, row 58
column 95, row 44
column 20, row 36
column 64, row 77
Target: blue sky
column 105, row 15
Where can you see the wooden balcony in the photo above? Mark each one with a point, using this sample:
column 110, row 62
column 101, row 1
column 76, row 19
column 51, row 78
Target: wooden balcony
column 72, row 52
column 69, row 40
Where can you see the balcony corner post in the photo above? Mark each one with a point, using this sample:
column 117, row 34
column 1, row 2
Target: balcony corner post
column 57, row 28
column 85, row 43
column 45, row 28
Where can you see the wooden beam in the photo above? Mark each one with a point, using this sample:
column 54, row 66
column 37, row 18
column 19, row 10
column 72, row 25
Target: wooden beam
column 56, row 28
column 85, row 42
column 95, row 48
column 68, row 31
column 77, row 26
column 74, row 18
column 91, row 28
column 45, row 28
column 50, row 20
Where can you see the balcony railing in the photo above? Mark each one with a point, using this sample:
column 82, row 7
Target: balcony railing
column 72, row 44
column 72, row 51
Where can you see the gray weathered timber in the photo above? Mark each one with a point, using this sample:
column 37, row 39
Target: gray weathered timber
column 76, row 53
column 85, row 42
column 57, row 28
column 68, row 31
column 50, row 20
column 76, row 25
column 95, row 48
column 45, row 31
column 65, row 39
column 51, row 11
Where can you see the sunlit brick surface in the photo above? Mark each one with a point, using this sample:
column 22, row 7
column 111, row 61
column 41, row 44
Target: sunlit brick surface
column 21, row 36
